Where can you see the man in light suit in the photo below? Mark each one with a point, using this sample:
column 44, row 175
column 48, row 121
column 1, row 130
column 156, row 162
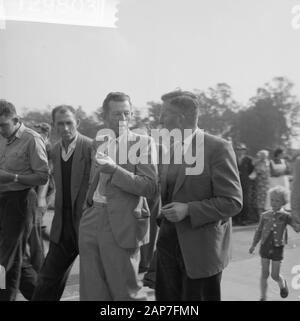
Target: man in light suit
column 71, row 158
column 116, row 224
column 193, row 245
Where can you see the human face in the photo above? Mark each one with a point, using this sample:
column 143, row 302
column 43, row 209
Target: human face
column 241, row 152
column 42, row 133
column 276, row 202
column 118, row 111
column 66, row 126
column 8, row 126
column 170, row 117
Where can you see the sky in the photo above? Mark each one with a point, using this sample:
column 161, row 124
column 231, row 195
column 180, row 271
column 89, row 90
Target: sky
column 158, row 45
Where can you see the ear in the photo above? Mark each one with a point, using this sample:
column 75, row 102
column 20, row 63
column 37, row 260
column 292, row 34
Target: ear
column 16, row 119
column 78, row 123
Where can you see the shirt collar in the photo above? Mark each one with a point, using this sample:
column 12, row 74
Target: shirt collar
column 18, row 134
column 72, row 144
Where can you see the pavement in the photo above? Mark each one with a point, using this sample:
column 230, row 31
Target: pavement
column 240, row 281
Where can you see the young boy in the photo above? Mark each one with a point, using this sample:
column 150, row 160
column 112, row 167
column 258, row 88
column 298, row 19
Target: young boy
column 272, row 233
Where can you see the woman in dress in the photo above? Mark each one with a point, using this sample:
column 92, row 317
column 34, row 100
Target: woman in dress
column 278, row 171
column 262, row 176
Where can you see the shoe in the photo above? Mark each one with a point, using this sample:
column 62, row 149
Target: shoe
column 284, row 292
column 263, row 299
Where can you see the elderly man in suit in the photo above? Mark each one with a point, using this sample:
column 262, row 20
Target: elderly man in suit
column 116, row 224
column 198, row 200
column 71, row 157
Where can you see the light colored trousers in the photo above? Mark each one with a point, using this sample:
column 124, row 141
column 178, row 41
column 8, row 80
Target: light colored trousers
column 107, row 271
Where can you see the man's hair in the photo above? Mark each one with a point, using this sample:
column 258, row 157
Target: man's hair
column 280, row 192
column 44, row 127
column 62, row 109
column 188, row 108
column 7, row 109
column 178, row 93
column 277, row 152
column 114, row 96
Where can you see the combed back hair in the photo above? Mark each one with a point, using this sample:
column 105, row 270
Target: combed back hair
column 277, row 152
column 177, row 93
column 114, row 96
column 62, row 109
column 188, row 108
column 280, row 193
column 7, row 109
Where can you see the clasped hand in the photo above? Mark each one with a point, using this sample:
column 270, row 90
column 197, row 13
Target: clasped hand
column 175, row 211
column 105, row 164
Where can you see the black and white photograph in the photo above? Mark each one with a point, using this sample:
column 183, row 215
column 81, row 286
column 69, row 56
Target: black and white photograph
column 149, row 151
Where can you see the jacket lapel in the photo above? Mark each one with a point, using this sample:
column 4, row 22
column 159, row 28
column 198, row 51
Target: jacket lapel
column 77, row 169
column 163, row 178
column 197, row 140
column 57, row 174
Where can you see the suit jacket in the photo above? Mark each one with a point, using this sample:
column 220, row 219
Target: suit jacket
column 126, row 193
column 80, row 173
column 295, row 195
column 213, row 197
column 246, row 167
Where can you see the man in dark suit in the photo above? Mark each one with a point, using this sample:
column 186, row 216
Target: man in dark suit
column 194, row 240
column 245, row 167
column 71, row 158
column 295, row 194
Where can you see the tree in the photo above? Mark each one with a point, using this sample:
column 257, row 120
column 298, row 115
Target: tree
column 89, row 125
column 217, row 110
column 271, row 117
column 153, row 114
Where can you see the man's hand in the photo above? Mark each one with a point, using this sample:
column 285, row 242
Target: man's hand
column 251, row 250
column 5, row 177
column 175, row 211
column 105, row 164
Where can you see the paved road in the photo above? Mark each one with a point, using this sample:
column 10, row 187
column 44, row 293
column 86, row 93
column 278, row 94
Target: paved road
column 240, row 280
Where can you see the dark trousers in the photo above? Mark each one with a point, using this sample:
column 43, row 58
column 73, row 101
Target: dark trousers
column 244, row 214
column 35, row 245
column 148, row 250
column 16, row 212
column 58, row 263
column 172, row 281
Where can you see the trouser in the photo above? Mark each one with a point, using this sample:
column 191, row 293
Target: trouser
column 58, row 263
column 16, row 212
column 244, row 213
column 107, row 271
column 148, row 250
column 172, row 281
column 35, row 241
column 150, row 275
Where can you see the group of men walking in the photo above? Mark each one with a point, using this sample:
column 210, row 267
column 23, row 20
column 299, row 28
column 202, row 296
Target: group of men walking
column 102, row 205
